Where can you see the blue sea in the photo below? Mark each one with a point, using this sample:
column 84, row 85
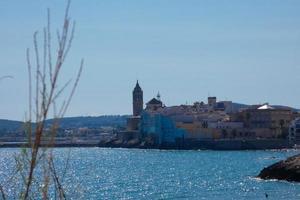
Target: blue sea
column 104, row 173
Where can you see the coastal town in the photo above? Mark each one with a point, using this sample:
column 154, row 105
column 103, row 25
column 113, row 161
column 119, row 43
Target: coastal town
column 210, row 125
column 150, row 100
column 214, row 124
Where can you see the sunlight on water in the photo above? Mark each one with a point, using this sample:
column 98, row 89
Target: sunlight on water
column 95, row 173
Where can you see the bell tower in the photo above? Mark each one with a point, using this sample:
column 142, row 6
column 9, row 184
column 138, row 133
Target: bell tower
column 137, row 100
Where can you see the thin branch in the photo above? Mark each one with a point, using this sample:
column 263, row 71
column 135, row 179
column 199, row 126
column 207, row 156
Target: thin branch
column 61, row 90
column 60, row 112
column 58, row 39
column 74, row 87
column 2, row 193
column 49, row 44
column 70, row 41
column 37, row 74
column 30, row 95
column 43, row 78
column 45, row 99
column 62, row 194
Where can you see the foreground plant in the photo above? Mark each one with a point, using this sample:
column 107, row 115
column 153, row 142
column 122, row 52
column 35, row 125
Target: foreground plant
column 44, row 91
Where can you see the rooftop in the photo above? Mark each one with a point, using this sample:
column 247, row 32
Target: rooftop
column 154, row 101
column 265, row 107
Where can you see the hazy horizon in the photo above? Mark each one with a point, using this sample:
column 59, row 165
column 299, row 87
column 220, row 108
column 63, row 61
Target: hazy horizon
column 244, row 51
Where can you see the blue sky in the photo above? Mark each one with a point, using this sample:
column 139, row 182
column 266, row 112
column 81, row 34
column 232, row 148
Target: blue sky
column 245, row 51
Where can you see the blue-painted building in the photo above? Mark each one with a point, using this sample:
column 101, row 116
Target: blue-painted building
column 160, row 126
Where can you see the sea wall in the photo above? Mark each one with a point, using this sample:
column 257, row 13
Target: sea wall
column 254, row 144
column 237, row 144
column 189, row 144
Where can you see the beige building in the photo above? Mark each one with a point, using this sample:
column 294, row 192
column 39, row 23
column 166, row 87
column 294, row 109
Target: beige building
column 266, row 120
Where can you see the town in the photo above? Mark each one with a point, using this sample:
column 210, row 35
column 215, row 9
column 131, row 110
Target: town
column 211, row 125
column 220, row 125
column 150, row 99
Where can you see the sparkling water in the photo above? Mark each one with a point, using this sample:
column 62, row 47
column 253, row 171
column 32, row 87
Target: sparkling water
column 103, row 173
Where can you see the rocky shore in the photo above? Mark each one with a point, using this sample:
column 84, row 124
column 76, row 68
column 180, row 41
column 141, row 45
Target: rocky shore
column 288, row 170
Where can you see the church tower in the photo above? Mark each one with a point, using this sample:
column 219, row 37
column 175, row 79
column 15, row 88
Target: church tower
column 137, row 100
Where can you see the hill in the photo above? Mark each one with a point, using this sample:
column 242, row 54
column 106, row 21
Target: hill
column 92, row 122
column 116, row 121
column 10, row 125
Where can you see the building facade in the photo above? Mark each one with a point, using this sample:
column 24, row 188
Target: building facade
column 294, row 131
column 161, row 127
column 266, row 121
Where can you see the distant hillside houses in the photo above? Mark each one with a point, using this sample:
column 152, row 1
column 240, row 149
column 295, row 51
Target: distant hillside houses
column 213, row 120
column 17, row 128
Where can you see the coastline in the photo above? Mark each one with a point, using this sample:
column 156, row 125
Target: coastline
column 230, row 145
column 225, row 145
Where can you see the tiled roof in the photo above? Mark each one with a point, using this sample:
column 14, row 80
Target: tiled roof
column 154, row 101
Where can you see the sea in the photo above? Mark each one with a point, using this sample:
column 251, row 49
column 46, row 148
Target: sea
column 107, row 173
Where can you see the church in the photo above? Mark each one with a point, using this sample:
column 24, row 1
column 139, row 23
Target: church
column 138, row 107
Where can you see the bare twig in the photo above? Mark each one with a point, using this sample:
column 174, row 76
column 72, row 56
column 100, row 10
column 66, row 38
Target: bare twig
column 29, row 96
column 62, row 194
column 37, row 81
column 45, row 99
column 2, row 193
column 74, row 88
column 49, row 45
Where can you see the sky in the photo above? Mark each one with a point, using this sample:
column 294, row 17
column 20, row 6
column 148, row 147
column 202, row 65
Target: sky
column 244, row 51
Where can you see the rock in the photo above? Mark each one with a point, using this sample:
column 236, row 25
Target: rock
column 288, row 170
